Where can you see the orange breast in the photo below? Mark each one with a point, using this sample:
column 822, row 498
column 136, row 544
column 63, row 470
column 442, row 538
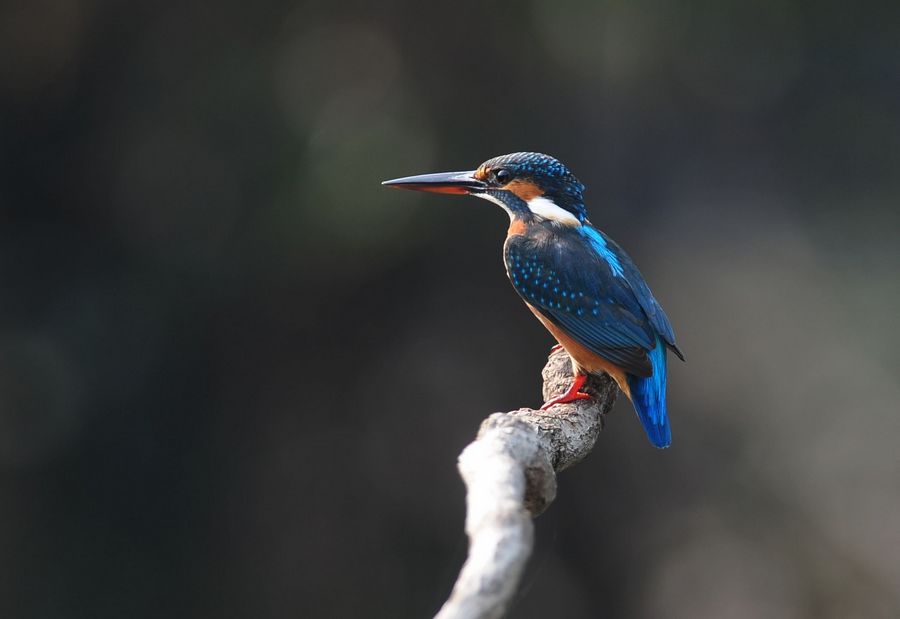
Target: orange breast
column 516, row 226
column 584, row 359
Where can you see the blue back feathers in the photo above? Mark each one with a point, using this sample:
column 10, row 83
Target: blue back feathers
column 598, row 242
column 623, row 266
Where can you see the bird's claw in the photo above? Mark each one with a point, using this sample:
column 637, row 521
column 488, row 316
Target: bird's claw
column 565, row 399
column 571, row 395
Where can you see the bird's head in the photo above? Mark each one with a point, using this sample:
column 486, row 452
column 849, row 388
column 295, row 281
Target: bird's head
column 528, row 186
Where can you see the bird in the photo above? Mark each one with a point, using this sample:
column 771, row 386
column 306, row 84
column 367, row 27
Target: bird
column 578, row 282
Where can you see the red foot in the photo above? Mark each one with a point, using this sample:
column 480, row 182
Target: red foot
column 571, row 395
column 555, row 348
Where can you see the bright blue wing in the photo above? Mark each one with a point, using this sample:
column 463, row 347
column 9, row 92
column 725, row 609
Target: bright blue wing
column 625, row 268
column 584, row 291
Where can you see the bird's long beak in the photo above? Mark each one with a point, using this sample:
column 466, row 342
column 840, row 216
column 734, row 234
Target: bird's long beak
column 443, row 182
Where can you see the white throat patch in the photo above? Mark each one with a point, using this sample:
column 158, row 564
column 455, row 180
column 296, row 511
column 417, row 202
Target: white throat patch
column 547, row 209
column 541, row 207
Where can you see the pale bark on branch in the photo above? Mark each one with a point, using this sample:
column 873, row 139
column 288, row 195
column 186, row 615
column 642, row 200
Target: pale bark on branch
column 510, row 477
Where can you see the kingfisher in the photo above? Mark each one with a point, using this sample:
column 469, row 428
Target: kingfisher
column 583, row 287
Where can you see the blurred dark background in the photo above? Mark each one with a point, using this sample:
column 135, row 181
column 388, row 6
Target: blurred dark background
column 235, row 372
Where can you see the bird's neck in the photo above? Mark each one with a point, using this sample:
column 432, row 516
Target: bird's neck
column 518, row 226
column 531, row 224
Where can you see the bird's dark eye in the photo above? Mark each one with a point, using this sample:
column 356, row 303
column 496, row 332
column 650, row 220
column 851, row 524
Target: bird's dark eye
column 502, row 176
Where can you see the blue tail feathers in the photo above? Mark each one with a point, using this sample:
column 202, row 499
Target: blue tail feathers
column 649, row 398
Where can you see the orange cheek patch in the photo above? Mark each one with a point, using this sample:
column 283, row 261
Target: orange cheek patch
column 526, row 190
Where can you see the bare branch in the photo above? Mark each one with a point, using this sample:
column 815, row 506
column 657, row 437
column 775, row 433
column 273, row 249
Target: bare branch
column 510, row 476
